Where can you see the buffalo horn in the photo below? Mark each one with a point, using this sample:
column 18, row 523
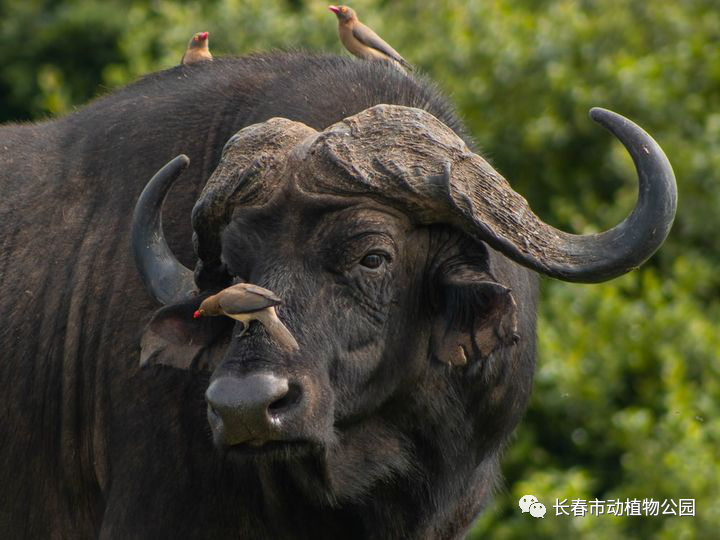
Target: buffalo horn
column 428, row 170
column 164, row 277
column 593, row 258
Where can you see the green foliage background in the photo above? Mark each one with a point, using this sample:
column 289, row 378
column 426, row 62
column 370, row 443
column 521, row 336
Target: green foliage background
column 627, row 395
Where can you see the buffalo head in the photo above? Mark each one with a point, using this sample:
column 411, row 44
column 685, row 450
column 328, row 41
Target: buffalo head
column 376, row 234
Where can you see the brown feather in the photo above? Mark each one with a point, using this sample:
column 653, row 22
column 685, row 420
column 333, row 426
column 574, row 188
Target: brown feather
column 246, row 298
column 365, row 35
column 278, row 330
column 195, row 55
column 198, row 50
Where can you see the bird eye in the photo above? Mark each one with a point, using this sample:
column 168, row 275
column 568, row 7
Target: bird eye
column 343, row 9
column 372, row 261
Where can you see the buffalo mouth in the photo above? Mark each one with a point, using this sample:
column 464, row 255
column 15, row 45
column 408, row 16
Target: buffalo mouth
column 272, row 450
column 260, row 414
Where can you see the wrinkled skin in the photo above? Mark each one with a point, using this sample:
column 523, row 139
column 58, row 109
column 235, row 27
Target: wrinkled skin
column 399, row 444
column 384, row 426
column 365, row 332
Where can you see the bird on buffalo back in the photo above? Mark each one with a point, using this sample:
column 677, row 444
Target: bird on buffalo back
column 198, row 49
column 361, row 41
column 246, row 302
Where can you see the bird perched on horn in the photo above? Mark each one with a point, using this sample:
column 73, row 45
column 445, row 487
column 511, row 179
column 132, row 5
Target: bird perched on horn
column 246, row 302
column 198, row 49
column 361, row 41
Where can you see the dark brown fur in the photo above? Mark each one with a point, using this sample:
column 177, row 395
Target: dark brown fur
column 93, row 445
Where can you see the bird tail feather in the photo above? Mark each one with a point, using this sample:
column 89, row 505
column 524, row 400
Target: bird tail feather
column 281, row 333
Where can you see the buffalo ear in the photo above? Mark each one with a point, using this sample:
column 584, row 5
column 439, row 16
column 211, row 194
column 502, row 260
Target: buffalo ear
column 174, row 338
column 477, row 316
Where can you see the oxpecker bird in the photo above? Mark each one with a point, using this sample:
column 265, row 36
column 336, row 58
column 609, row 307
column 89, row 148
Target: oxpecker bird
column 198, row 49
column 362, row 41
column 245, row 302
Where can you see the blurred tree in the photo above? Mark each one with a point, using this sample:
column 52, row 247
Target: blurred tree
column 627, row 394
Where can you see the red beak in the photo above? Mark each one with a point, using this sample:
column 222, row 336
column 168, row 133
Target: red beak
column 204, row 36
column 196, row 314
column 334, row 9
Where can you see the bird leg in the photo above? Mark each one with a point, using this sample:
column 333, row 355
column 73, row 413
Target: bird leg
column 245, row 328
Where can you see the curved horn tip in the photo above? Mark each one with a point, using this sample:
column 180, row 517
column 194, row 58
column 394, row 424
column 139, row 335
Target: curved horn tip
column 616, row 123
column 623, row 128
column 181, row 161
column 599, row 114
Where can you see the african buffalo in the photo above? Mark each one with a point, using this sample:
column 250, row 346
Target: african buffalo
column 402, row 258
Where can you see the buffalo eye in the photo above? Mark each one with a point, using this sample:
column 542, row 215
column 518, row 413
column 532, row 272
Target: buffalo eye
column 372, row 261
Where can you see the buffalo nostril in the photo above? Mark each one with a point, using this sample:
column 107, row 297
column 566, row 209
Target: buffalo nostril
column 252, row 408
column 289, row 400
